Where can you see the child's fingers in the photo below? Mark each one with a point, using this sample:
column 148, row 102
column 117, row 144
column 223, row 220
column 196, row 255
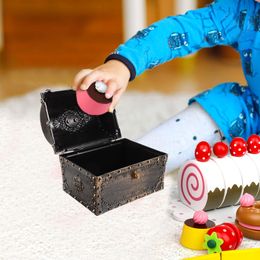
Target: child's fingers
column 116, row 98
column 92, row 77
column 111, row 89
column 80, row 77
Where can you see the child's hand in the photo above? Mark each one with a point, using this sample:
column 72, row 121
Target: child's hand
column 114, row 73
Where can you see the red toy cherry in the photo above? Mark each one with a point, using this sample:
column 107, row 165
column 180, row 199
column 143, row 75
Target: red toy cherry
column 228, row 234
column 203, row 151
column 253, row 144
column 220, row 149
column 238, row 147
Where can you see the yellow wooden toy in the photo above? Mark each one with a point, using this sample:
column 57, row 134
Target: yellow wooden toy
column 244, row 254
column 195, row 229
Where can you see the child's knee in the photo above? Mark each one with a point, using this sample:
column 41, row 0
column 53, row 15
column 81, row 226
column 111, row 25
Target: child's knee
column 233, row 108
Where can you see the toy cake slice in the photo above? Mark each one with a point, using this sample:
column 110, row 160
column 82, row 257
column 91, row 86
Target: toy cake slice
column 201, row 185
column 232, row 179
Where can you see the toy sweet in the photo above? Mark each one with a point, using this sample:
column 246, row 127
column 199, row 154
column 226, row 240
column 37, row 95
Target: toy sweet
column 201, row 185
column 223, row 237
column 220, row 149
column 248, row 217
column 194, row 230
column 253, row 144
column 203, row 151
column 238, row 147
column 93, row 101
column 220, row 181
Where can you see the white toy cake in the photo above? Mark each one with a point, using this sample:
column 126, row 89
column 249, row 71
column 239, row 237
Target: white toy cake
column 211, row 182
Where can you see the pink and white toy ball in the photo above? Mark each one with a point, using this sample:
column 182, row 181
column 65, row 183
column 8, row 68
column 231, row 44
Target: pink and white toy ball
column 93, row 101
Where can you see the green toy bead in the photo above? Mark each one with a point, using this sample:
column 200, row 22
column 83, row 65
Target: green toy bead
column 211, row 244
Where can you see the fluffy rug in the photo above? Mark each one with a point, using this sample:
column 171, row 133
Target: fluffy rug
column 40, row 221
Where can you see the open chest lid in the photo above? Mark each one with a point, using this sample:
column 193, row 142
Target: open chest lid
column 68, row 129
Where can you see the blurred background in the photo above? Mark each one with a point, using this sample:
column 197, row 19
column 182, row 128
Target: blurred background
column 46, row 42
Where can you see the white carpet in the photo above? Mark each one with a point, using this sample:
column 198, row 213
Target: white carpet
column 38, row 220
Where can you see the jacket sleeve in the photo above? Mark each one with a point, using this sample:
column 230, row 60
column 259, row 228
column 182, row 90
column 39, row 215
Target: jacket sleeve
column 177, row 36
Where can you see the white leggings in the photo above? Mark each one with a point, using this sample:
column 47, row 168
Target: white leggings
column 179, row 135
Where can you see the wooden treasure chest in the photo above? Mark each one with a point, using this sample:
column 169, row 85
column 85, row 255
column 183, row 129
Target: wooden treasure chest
column 99, row 168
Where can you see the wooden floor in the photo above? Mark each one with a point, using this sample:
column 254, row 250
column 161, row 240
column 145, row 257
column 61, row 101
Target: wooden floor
column 182, row 75
column 60, row 32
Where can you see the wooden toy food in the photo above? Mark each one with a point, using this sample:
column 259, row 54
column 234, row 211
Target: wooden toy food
column 248, row 217
column 93, row 101
column 194, row 230
column 223, row 237
column 220, row 181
